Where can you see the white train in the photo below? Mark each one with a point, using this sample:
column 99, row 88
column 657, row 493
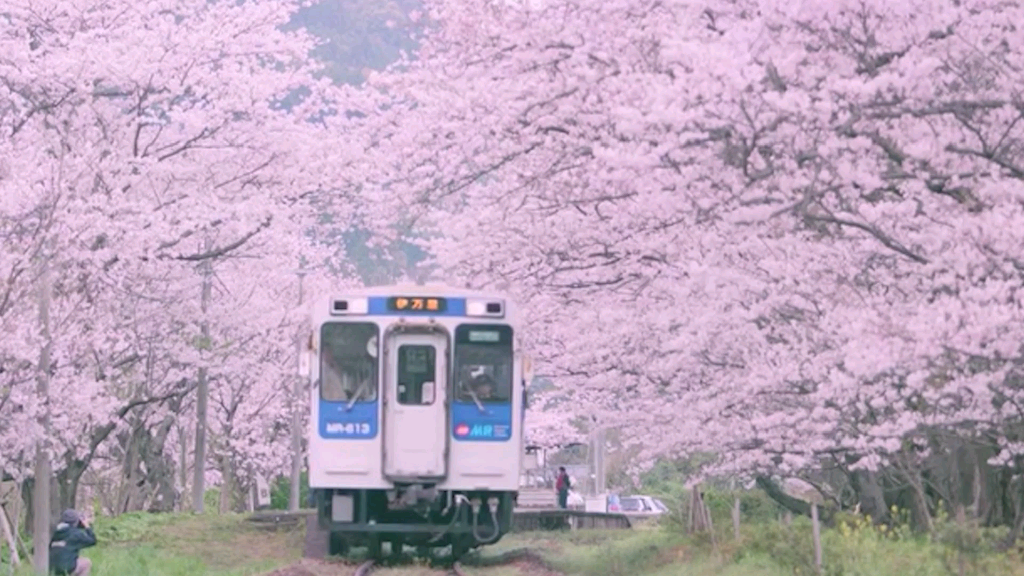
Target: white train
column 418, row 405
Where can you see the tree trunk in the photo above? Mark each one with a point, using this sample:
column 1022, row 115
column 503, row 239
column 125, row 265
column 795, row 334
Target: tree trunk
column 129, row 487
column 869, row 495
column 160, row 469
column 1018, row 522
column 68, row 480
column 227, row 485
column 182, row 465
column 28, row 492
column 148, row 470
column 202, row 399
column 1003, row 513
column 158, row 480
column 922, row 517
column 27, row 489
column 794, row 505
column 234, row 488
column 243, row 494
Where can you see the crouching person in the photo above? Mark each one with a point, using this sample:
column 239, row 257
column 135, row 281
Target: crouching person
column 71, row 536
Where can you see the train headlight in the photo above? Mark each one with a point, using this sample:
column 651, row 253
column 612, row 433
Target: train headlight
column 349, row 306
column 486, row 308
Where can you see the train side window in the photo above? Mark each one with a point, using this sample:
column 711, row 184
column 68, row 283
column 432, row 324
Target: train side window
column 417, row 367
column 348, row 362
column 483, row 363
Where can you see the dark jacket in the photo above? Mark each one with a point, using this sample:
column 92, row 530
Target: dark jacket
column 66, row 542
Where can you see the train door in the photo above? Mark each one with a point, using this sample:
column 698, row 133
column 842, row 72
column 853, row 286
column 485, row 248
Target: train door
column 416, row 414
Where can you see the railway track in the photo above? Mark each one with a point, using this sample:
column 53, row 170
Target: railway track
column 366, row 568
column 316, row 550
column 519, row 556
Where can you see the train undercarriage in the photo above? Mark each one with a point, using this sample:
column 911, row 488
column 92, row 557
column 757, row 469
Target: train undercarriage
column 415, row 515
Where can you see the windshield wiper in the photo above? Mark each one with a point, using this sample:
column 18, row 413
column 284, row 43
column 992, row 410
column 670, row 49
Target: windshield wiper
column 479, row 404
column 355, row 397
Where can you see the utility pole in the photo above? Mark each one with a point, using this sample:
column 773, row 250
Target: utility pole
column 600, row 476
column 202, row 395
column 297, row 390
column 41, row 495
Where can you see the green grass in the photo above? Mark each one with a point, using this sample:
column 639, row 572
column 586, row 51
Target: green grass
column 141, row 544
column 765, row 549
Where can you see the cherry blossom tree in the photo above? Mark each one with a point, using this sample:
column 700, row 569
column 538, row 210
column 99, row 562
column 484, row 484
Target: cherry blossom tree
column 788, row 231
column 143, row 141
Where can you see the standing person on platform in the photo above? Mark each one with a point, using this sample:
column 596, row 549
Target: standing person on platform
column 562, row 486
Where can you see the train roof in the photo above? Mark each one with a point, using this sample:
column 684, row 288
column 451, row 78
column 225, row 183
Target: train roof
column 411, row 289
column 321, row 306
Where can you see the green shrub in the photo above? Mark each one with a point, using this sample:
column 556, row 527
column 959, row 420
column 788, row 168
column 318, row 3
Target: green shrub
column 755, row 507
column 132, row 526
column 280, row 491
column 788, row 546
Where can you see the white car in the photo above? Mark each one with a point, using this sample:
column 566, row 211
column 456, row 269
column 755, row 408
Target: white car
column 637, row 506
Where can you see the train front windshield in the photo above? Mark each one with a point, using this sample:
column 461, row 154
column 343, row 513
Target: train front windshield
column 483, row 364
column 348, row 362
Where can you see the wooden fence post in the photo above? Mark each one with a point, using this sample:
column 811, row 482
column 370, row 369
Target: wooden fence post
column 9, row 538
column 699, row 516
column 736, row 518
column 816, row 531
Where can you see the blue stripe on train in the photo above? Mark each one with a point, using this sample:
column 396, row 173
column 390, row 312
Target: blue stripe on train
column 470, row 425
column 339, row 423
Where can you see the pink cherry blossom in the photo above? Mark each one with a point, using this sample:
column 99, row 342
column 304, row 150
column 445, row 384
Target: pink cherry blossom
column 779, row 232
